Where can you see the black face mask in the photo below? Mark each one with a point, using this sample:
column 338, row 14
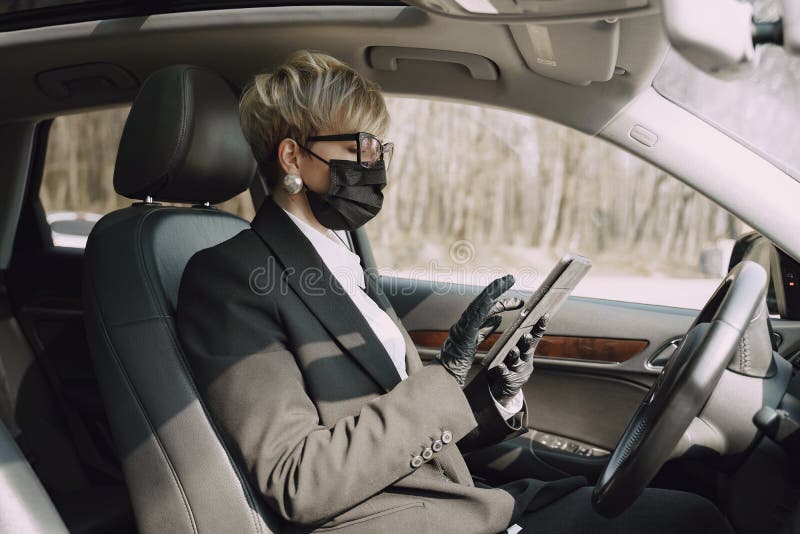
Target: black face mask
column 354, row 197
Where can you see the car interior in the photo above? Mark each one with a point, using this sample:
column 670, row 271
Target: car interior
column 103, row 429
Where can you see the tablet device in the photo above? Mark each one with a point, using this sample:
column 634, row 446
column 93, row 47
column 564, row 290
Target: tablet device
column 549, row 296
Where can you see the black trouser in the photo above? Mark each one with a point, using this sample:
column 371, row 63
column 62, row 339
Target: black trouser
column 656, row 511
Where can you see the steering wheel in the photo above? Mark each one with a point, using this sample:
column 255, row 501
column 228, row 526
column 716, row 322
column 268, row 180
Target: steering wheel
column 680, row 391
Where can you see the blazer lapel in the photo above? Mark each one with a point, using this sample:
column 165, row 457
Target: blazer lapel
column 373, row 289
column 304, row 271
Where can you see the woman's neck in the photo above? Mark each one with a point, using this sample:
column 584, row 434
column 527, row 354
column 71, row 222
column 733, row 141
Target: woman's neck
column 298, row 206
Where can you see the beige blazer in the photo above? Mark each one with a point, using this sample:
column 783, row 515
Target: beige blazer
column 312, row 407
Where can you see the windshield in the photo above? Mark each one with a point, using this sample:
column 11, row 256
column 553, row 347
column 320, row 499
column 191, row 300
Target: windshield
column 761, row 109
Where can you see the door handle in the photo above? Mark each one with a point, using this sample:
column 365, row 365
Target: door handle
column 662, row 356
column 385, row 58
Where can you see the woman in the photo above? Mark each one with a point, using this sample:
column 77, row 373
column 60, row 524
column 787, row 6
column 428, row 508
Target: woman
column 309, row 373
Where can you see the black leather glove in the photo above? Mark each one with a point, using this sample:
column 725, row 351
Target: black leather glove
column 477, row 322
column 506, row 379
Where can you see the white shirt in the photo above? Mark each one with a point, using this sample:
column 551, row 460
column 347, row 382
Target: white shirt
column 345, row 265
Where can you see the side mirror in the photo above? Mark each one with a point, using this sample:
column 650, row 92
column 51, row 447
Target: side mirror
column 714, row 35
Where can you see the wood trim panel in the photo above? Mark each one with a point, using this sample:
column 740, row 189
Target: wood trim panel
column 590, row 349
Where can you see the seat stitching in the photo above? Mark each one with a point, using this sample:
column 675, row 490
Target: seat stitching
column 134, row 393
column 181, row 133
column 141, row 320
column 184, row 365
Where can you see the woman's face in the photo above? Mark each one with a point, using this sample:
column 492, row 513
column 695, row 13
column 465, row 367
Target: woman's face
column 315, row 173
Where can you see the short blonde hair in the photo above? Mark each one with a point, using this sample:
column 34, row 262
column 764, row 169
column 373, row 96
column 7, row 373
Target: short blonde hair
column 309, row 93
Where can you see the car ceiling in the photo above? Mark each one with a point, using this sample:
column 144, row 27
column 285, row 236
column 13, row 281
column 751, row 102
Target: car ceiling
column 237, row 43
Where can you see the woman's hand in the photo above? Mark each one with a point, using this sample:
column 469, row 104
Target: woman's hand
column 478, row 321
column 507, row 378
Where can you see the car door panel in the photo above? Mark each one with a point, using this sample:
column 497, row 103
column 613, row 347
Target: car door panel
column 591, row 367
column 45, row 289
column 589, row 408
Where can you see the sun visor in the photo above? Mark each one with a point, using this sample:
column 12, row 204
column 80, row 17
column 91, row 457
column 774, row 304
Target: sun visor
column 578, row 52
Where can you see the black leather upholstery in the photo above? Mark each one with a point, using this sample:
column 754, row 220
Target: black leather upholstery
column 181, row 137
column 24, row 504
column 180, row 475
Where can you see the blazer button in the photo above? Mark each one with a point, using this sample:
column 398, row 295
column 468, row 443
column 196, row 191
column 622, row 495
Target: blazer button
column 437, row 445
column 417, row 461
column 427, row 454
column 447, row 437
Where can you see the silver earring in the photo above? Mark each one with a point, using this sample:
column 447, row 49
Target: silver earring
column 292, row 183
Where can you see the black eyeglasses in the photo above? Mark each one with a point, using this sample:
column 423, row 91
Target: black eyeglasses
column 369, row 148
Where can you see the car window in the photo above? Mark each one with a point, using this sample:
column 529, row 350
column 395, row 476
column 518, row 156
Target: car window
column 77, row 185
column 474, row 192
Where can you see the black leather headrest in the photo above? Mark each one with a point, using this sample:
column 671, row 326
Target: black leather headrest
column 182, row 141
